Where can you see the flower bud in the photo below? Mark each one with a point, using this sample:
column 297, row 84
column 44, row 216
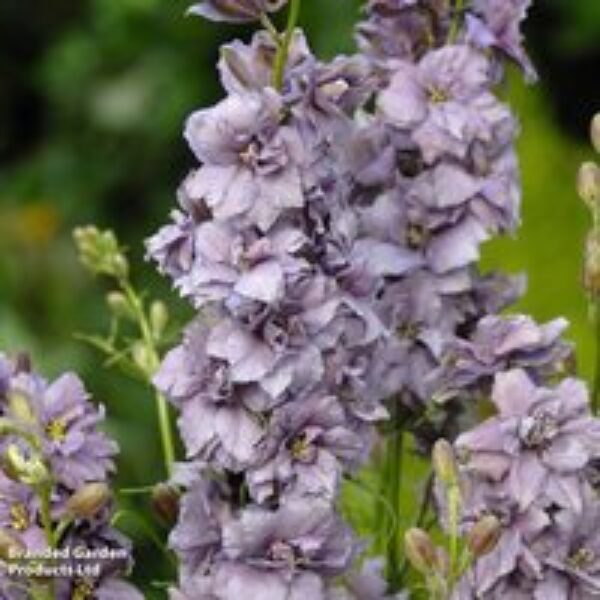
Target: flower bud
column 595, row 132
column 484, row 536
column 119, row 305
column 165, row 502
column 20, row 407
column 30, row 471
column 11, row 547
column 159, row 317
column 143, row 357
column 420, row 551
column 588, row 184
column 99, row 251
column 591, row 273
column 444, row 462
column 89, row 500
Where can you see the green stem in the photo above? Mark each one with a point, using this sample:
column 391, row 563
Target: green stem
column 454, row 508
column 44, row 493
column 268, row 25
column 284, row 48
column 395, row 459
column 162, row 409
column 596, row 391
column 45, row 514
column 456, row 22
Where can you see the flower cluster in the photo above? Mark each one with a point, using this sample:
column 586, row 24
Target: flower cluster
column 329, row 240
column 280, row 379
column 434, row 176
column 54, row 493
column 532, row 467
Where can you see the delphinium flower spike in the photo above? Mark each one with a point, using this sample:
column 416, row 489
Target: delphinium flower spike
column 55, row 501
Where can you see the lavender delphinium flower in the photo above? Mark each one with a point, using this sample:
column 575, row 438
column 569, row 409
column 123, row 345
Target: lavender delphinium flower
column 314, row 441
column 502, row 342
column 540, row 441
column 497, row 24
column 528, row 467
column 445, row 100
column 235, row 11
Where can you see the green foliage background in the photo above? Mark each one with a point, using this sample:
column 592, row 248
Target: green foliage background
column 93, row 94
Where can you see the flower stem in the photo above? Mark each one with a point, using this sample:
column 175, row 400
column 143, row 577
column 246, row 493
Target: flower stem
column 395, row 465
column 596, row 390
column 284, row 48
column 456, row 21
column 162, row 409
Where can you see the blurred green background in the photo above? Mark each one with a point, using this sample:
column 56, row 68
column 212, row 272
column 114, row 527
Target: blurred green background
column 93, row 94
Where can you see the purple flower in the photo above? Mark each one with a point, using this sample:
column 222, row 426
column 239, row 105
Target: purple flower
column 315, row 440
column 571, row 554
column 19, row 513
column 288, row 551
column 540, row 441
column 220, row 416
column 402, row 29
column 502, row 342
column 445, row 101
column 229, row 266
column 197, row 535
column 235, row 11
column 250, row 161
column 77, row 451
column 497, row 24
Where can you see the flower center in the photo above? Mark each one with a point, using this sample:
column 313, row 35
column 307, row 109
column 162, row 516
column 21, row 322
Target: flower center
column 416, row 236
column 538, row 430
column 580, row 559
column 250, row 154
column 437, row 95
column 19, row 516
column 283, row 552
column 300, row 448
column 57, row 430
column 82, row 590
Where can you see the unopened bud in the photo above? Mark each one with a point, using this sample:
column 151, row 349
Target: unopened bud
column 20, row 407
column 11, row 547
column 420, row 550
column 591, row 273
column 119, row 305
column 159, row 317
column 595, row 132
column 588, row 184
column 484, row 536
column 89, row 500
column 165, row 501
column 444, row 462
column 99, row 251
column 143, row 357
column 30, row 471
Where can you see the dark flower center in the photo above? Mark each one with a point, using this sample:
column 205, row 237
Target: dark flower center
column 416, row 236
column 19, row 516
column 250, row 154
column 437, row 95
column 538, row 430
column 284, row 552
column 301, row 449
